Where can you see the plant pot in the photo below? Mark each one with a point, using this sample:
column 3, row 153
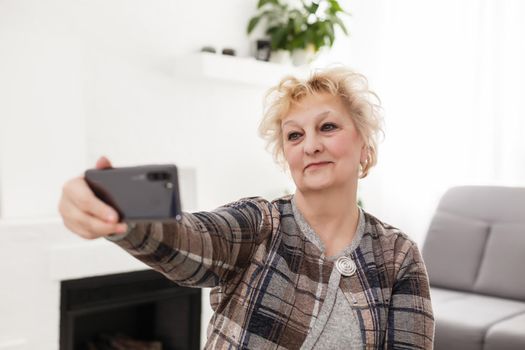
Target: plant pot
column 303, row 56
column 280, row 56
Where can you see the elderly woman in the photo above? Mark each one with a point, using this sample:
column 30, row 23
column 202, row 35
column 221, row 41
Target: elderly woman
column 310, row 270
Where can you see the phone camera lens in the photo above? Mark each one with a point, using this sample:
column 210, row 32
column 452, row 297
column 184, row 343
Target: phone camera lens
column 158, row 176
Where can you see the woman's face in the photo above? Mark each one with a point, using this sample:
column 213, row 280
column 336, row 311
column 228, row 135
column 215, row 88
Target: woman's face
column 321, row 144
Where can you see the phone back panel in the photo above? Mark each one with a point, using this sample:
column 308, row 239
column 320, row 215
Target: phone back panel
column 141, row 193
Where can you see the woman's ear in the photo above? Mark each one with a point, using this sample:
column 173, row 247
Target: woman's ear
column 364, row 154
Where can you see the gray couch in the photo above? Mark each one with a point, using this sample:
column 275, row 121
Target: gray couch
column 475, row 256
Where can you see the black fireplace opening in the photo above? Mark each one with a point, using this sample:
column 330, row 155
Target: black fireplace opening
column 134, row 311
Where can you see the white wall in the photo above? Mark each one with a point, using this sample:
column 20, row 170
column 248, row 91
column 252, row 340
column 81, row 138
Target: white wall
column 82, row 79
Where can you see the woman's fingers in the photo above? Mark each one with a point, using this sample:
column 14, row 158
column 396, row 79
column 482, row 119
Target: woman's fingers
column 86, row 225
column 93, row 227
column 81, row 196
column 103, row 163
column 84, row 213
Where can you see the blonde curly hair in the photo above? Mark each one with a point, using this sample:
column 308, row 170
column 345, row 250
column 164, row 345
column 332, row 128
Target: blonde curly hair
column 362, row 104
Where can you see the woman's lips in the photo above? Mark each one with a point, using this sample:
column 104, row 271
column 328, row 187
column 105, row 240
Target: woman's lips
column 316, row 165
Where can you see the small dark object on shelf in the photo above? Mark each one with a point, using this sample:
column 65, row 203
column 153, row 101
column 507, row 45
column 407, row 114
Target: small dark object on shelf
column 209, row 49
column 228, row 51
column 263, row 50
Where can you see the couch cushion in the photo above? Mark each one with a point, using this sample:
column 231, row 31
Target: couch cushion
column 486, row 203
column 453, row 250
column 501, row 272
column 507, row 335
column 439, row 295
column 463, row 322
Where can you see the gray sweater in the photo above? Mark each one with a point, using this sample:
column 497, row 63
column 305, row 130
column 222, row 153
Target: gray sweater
column 336, row 326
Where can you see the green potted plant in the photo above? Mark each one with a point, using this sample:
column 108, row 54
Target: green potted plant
column 301, row 29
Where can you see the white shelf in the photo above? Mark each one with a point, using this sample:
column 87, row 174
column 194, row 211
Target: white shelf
column 233, row 69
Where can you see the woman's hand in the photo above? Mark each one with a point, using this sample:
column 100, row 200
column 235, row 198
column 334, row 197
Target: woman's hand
column 85, row 214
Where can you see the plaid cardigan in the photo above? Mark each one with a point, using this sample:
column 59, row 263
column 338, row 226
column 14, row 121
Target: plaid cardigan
column 269, row 280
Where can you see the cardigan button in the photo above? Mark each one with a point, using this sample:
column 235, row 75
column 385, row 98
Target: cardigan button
column 345, row 266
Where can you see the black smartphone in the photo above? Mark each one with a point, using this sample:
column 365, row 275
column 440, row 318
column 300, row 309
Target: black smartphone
column 139, row 193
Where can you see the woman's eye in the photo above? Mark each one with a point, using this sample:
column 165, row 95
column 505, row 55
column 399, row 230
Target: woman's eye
column 328, row 127
column 293, row 136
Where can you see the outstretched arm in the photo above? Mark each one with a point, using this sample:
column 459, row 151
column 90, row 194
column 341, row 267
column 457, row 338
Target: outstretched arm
column 206, row 248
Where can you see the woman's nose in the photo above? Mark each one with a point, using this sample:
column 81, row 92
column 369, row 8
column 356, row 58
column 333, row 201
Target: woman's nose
column 312, row 145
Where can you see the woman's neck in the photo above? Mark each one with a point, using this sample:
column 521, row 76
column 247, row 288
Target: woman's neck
column 332, row 213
